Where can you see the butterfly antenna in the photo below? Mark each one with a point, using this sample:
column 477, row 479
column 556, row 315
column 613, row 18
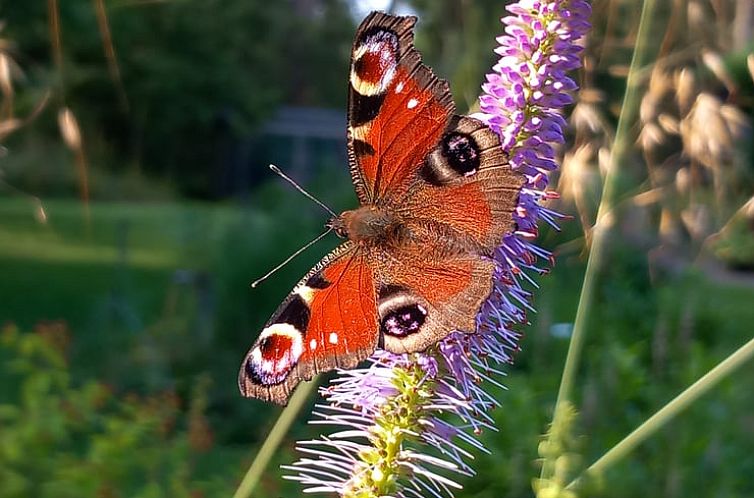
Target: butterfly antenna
column 289, row 258
column 301, row 189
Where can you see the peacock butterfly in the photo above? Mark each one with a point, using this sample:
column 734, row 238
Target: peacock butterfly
column 436, row 196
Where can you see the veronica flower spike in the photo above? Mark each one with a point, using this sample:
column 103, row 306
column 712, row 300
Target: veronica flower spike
column 406, row 425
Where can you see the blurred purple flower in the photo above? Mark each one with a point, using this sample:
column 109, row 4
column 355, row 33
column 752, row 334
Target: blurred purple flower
column 388, row 410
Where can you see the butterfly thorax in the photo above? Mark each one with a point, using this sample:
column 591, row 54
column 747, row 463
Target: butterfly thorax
column 369, row 225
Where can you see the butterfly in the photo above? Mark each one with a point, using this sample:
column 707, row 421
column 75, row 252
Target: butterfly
column 436, row 196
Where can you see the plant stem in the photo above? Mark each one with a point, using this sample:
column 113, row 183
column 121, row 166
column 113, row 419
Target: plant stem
column 670, row 410
column 618, row 157
column 264, row 455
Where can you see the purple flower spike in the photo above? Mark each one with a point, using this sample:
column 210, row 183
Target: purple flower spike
column 388, row 412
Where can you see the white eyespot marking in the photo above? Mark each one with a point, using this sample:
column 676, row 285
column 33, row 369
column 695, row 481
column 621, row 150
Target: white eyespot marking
column 306, row 293
column 277, row 351
column 313, row 344
column 333, row 339
column 412, row 103
column 359, row 51
column 399, row 87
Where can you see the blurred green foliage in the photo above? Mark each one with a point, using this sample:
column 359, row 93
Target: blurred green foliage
column 65, row 438
column 644, row 348
column 735, row 245
column 192, row 76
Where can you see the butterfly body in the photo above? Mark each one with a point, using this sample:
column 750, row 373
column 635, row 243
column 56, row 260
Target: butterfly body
column 436, row 197
column 370, row 226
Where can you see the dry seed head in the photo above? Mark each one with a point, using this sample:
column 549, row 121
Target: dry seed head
column 651, row 136
column 683, row 181
column 670, row 231
column 618, row 70
column 649, row 108
column 586, row 115
column 655, row 100
column 711, row 130
column 603, row 159
column 699, row 21
column 685, row 92
column 660, row 83
column 591, row 96
column 39, row 213
column 8, row 126
column 69, row 129
column 669, row 123
column 579, row 178
column 6, row 84
column 736, row 121
column 750, row 65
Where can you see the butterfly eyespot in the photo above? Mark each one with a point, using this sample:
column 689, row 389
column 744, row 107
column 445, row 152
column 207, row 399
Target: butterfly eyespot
column 276, row 353
column 401, row 312
column 457, row 156
column 461, row 152
column 404, row 321
column 375, row 59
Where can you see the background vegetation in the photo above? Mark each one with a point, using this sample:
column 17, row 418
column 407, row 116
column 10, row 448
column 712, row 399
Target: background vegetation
column 125, row 270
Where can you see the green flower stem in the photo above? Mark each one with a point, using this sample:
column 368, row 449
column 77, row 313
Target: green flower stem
column 380, row 467
column 619, row 155
column 670, row 410
column 274, row 438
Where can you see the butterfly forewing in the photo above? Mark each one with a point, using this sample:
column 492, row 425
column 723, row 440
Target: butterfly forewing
column 397, row 108
column 327, row 321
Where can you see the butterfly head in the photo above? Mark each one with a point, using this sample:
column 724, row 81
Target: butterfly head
column 338, row 225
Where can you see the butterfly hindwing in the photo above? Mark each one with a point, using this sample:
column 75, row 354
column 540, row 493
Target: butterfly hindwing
column 465, row 187
column 459, row 204
column 421, row 299
column 328, row 321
